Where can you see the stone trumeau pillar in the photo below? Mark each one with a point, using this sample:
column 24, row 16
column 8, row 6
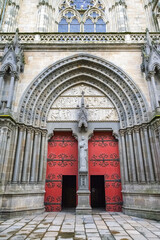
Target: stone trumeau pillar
column 45, row 16
column 83, row 183
column 10, row 18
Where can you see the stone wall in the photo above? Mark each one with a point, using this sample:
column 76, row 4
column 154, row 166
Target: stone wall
column 37, row 61
column 27, row 18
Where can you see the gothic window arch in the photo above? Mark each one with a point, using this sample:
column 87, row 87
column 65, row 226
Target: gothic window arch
column 63, row 25
column 82, row 16
column 74, row 25
column 88, row 25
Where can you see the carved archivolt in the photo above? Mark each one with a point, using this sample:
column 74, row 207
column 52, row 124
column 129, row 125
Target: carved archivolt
column 83, row 69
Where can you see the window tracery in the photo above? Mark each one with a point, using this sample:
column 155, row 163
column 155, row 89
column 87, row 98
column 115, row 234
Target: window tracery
column 82, row 16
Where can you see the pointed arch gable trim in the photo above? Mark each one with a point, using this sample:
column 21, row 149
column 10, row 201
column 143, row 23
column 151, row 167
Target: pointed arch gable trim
column 110, row 79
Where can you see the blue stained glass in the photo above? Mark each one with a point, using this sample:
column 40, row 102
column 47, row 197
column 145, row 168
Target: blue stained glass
column 100, row 26
column 88, row 26
column 82, row 4
column 74, row 26
column 69, row 15
column 94, row 14
column 63, row 26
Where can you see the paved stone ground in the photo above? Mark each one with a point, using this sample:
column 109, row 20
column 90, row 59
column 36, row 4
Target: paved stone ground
column 67, row 225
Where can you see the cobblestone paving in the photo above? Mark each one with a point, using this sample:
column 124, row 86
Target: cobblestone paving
column 67, row 225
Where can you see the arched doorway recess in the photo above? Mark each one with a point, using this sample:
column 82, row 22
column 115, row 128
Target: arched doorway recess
column 117, row 86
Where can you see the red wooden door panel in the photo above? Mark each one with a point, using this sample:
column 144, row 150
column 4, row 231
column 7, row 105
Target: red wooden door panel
column 104, row 160
column 62, row 160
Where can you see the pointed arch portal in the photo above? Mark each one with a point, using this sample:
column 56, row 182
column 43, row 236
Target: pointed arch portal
column 103, row 161
column 83, row 68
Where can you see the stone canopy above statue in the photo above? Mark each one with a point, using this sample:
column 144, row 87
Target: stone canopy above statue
column 99, row 107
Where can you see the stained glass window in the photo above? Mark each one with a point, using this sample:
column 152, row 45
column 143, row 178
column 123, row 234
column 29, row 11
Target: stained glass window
column 100, row 26
column 81, row 4
column 74, row 26
column 88, row 26
column 63, row 26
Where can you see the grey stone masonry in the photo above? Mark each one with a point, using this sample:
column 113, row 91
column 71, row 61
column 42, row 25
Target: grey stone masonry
column 68, row 225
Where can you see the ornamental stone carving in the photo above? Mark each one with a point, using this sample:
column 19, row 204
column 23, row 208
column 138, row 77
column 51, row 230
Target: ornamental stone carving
column 83, row 69
column 82, row 116
column 99, row 107
column 12, row 65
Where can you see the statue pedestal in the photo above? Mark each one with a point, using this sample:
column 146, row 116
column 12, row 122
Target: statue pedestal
column 83, row 202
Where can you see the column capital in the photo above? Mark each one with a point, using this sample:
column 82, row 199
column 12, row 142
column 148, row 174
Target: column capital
column 136, row 129
column 129, row 131
column 145, row 127
column 151, row 74
column 22, row 128
column 122, row 132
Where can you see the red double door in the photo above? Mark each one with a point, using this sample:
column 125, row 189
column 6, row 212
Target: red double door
column 62, row 171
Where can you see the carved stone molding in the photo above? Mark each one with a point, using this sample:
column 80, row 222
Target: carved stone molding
column 93, row 71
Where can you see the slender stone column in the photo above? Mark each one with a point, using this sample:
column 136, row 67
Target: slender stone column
column 13, row 151
column 45, row 157
column 156, row 137
column 120, row 7
column 42, row 157
column 131, row 159
column 124, row 156
column 3, row 147
column 147, row 155
column 154, row 89
column 35, row 159
column 10, row 20
column 151, row 92
column 26, row 155
column 154, row 152
column 44, row 22
column 1, row 85
column 139, row 156
column 11, row 91
column 83, row 190
column 17, row 164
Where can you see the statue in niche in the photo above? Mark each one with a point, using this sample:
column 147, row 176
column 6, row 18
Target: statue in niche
column 83, row 154
column 82, row 118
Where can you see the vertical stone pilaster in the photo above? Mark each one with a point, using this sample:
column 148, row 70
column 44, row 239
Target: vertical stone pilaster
column 151, row 93
column 35, row 158
column 131, row 159
column 155, row 96
column 43, row 157
column 154, row 153
column 156, row 136
column 1, row 85
column 124, row 156
column 44, row 21
column 139, row 156
column 120, row 7
column 10, row 20
column 13, row 151
column 11, row 91
column 27, row 155
column 4, row 135
column 149, row 15
column 19, row 156
column 147, row 155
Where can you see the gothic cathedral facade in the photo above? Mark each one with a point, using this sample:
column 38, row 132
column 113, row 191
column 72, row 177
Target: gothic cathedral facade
column 80, row 106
